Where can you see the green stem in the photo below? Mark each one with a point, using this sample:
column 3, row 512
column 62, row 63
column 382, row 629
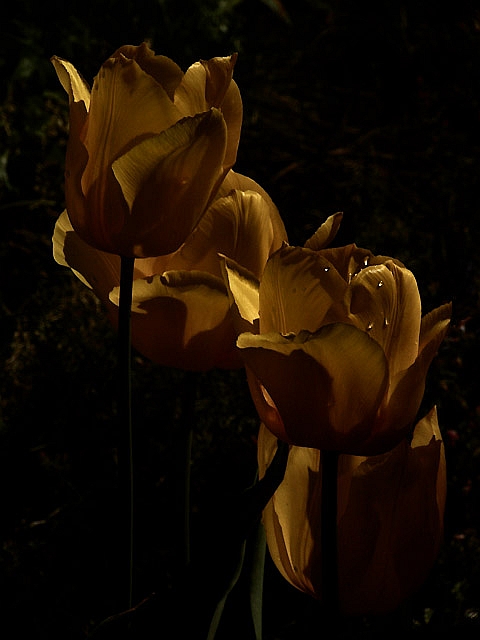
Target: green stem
column 125, row 410
column 330, row 595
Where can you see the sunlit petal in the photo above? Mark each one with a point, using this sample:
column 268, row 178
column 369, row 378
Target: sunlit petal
column 120, row 89
column 384, row 301
column 167, row 182
column 73, row 83
column 298, row 289
column 242, row 287
column 98, row 270
column 289, row 529
column 164, row 70
column 325, row 234
column 237, row 181
column 434, row 326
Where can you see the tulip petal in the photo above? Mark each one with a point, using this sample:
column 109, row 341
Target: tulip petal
column 384, row 300
column 168, row 180
column 325, row 234
column 120, row 89
column 73, row 83
column 348, row 260
column 206, row 84
column 237, row 226
column 298, row 290
column 240, row 182
column 326, row 386
column 434, row 327
column 242, row 287
column 406, row 390
column 180, row 319
column 98, row 270
column 396, row 504
column 289, row 529
column 165, row 71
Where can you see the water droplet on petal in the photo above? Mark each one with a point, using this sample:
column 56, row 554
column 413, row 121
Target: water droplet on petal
column 326, row 269
column 365, row 261
column 369, row 326
column 385, row 322
column 380, row 284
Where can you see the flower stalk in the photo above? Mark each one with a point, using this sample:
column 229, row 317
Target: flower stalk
column 125, row 453
column 329, row 567
column 183, row 465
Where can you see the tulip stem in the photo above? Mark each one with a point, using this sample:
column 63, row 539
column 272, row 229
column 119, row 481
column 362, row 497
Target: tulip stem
column 183, row 467
column 125, row 452
column 330, row 596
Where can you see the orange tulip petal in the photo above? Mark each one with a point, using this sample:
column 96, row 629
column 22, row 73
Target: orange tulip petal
column 120, row 89
column 384, row 300
column 164, row 70
column 73, row 83
column 237, row 226
column 326, row 386
column 407, row 387
column 434, row 326
column 291, row 530
column 206, row 84
column 242, row 287
column 325, row 234
column 181, row 320
column 299, row 287
column 238, row 181
column 167, row 181
column 396, row 504
column 98, row 270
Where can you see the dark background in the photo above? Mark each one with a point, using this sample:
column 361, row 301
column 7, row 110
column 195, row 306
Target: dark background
column 368, row 108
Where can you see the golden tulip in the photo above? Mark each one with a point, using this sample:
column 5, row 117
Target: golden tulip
column 389, row 520
column 148, row 148
column 180, row 307
column 337, row 351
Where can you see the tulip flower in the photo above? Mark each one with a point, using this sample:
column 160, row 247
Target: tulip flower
column 148, row 148
column 337, row 351
column 180, row 306
column 389, row 519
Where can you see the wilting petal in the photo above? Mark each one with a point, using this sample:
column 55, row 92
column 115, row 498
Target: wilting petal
column 325, row 234
column 326, row 386
column 299, row 288
column 181, row 320
column 168, row 180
